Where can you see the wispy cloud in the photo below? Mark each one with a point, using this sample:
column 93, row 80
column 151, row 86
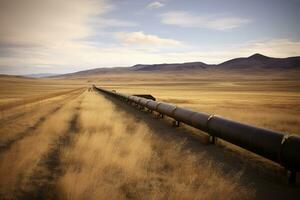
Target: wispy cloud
column 140, row 38
column 53, row 22
column 155, row 4
column 186, row 19
column 110, row 22
column 64, row 36
column 47, row 22
column 279, row 48
column 51, row 34
column 275, row 47
column 79, row 56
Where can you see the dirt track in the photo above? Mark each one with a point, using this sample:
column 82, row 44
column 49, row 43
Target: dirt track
column 72, row 150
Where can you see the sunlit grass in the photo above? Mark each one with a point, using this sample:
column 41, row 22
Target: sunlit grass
column 116, row 157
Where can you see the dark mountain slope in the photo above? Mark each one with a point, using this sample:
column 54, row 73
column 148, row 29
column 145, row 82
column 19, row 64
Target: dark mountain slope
column 170, row 67
column 254, row 63
column 258, row 61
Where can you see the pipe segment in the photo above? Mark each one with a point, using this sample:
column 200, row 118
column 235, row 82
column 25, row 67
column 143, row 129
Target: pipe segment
column 276, row 146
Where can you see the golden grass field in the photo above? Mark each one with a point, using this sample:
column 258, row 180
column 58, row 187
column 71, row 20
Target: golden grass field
column 61, row 143
column 266, row 101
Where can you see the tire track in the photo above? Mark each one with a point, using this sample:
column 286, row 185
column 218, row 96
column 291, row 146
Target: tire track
column 11, row 119
column 42, row 182
column 27, row 132
column 14, row 117
column 4, row 146
column 35, row 99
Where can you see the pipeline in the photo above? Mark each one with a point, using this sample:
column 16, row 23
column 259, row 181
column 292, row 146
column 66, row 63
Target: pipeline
column 278, row 147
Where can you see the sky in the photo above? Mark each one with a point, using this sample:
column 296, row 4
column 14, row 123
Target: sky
column 62, row 36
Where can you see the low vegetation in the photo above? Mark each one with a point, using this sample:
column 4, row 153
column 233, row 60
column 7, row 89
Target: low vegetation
column 125, row 159
column 19, row 162
column 272, row 104
column 102, row 152
column 84, row 146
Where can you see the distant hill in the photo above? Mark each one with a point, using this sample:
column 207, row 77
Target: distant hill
column 259, row 61
column 170, row 67
column 256, row 62
column 11, row 77
column 41, row 75
column 95, row 71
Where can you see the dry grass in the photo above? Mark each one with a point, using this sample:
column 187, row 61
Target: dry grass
column 17, row 89
column 18, row 121
column 236, row 96
column 33, row 100
column 114, row 155
column 268, row 103
column 19, row 161
column 124, row 160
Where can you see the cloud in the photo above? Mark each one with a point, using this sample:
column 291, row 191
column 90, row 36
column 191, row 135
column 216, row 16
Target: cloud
column 279, row 48
column 107, row 22
column 44, row 22
column 50, row 22
column 275, row 47
column 155, row 5
column 78, row 56
column 39, row 36
column 51, row 34
column 140, row 38
column 185, row 19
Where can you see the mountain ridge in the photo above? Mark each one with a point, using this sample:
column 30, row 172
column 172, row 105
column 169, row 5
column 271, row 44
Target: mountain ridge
column 254, row 62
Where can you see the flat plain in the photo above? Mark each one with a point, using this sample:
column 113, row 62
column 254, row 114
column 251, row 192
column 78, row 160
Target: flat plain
column 61, row 141
column 268, row 101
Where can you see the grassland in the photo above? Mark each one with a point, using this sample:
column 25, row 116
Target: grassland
column 78, row 153
column 81, row 145
column 15, row 88
column 268, row 101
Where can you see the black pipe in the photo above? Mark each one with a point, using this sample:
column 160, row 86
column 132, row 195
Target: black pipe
column 276, row 146
column 264, row 142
